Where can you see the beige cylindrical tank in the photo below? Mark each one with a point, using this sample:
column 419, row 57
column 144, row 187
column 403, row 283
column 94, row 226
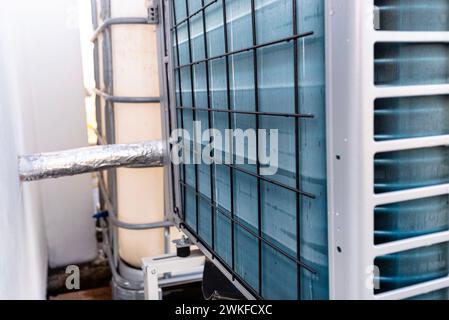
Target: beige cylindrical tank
column 140, row 193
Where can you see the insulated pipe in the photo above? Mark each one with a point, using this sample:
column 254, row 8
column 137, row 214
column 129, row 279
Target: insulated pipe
column 78, row 161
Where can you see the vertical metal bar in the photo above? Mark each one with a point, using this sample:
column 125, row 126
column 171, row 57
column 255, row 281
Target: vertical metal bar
column 165, row 108
column 297, row 143
column 256, row 99
column 96, row 69
column 166, row 117
column 171, row 76
column 178, row 74
column 98, row 113
column 192, row 86
column 108, row 73
column 231, row 126
column 110, row 116
column 163, row 26
column 167, row 238
column 211, row 124
column 170, row 128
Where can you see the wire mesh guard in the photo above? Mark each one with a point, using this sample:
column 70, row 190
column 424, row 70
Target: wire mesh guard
column 257, row 64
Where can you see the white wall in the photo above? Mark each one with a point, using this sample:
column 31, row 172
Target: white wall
column 23, row 263
column 41, row 109
column 54, row 56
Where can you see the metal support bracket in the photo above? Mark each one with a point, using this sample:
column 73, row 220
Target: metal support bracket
column 181, row 270
column 153, row 12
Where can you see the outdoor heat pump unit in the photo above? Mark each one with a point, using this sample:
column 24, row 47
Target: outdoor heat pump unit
column 359, row 93
column 254, row 65
column 350, row 97
column 359, row 207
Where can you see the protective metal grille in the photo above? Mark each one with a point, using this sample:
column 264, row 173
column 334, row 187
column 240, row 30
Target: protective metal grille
column 256, row 64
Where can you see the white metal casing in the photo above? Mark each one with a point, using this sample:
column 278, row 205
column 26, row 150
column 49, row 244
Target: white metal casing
column 181, row 270
column 351, row 93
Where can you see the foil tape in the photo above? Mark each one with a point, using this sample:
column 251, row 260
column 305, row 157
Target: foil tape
column 85, row 160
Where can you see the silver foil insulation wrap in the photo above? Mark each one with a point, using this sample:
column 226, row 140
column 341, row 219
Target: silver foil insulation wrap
column 78, row 161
